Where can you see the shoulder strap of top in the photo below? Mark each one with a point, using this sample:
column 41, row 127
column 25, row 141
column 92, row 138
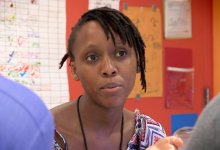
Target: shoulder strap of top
column 60, row 140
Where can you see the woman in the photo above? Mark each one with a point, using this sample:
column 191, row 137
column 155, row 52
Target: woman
column 106, row 51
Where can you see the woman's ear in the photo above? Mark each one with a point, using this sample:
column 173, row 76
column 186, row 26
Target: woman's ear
column 73, row 71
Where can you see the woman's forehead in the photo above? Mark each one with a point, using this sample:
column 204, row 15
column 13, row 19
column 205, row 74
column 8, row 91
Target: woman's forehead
column 92, row 27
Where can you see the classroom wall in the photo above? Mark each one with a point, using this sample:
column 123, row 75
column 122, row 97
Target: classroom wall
column 155, row 107
column 216, row 46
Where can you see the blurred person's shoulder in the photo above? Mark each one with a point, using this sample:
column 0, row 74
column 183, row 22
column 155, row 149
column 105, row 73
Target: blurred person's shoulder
column 23, row 116
column 17, row 94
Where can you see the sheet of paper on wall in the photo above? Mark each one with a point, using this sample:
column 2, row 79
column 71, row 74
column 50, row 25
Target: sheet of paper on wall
column 179, row 81
column 177, row 19
column 148, row 22
column 32, row 42
column 100, row 3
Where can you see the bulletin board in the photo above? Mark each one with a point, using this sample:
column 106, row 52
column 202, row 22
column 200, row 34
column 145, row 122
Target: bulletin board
column 148, row 21
column 32, row 42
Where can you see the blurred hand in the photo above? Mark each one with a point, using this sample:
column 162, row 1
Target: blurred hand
column 167, row 143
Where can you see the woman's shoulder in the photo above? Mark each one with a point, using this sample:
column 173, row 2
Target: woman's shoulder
column 63, row 114
column 62, row 109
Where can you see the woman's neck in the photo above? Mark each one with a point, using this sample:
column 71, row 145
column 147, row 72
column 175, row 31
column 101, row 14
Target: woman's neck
column 99, row 118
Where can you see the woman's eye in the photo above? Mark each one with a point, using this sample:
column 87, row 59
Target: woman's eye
column 121, row 53
column 92, row 57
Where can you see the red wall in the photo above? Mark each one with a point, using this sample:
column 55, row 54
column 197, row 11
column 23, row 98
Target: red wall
column 201, row 41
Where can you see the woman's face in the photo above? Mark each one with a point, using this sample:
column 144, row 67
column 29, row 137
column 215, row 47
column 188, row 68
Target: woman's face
column 107, row 71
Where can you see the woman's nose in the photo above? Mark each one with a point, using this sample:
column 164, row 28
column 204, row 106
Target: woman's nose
column 108, row 68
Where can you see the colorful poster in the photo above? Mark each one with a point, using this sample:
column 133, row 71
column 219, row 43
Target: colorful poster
column 32, row 42
column 148, row 21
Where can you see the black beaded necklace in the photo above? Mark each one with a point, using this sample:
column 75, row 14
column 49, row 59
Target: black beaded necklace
column 83, row 133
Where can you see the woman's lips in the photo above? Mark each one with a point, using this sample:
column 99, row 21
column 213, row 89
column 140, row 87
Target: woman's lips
column 110, row 85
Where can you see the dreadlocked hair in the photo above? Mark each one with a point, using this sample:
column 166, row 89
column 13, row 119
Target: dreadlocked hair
column 112, row 21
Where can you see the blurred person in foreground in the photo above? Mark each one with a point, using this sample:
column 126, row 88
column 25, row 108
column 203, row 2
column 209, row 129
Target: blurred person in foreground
column 206, row 132
column 25, row 121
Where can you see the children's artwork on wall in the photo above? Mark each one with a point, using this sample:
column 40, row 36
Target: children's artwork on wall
column 32, row 42
column 179, row 78
column 148, row 21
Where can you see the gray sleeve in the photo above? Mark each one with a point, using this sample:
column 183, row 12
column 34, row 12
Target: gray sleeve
column 206, row 132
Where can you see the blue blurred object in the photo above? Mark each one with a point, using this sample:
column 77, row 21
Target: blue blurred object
column 25, row 121
column 183, row 120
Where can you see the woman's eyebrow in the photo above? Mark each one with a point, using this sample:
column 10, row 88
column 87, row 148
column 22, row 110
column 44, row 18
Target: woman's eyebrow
column 90, row 46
